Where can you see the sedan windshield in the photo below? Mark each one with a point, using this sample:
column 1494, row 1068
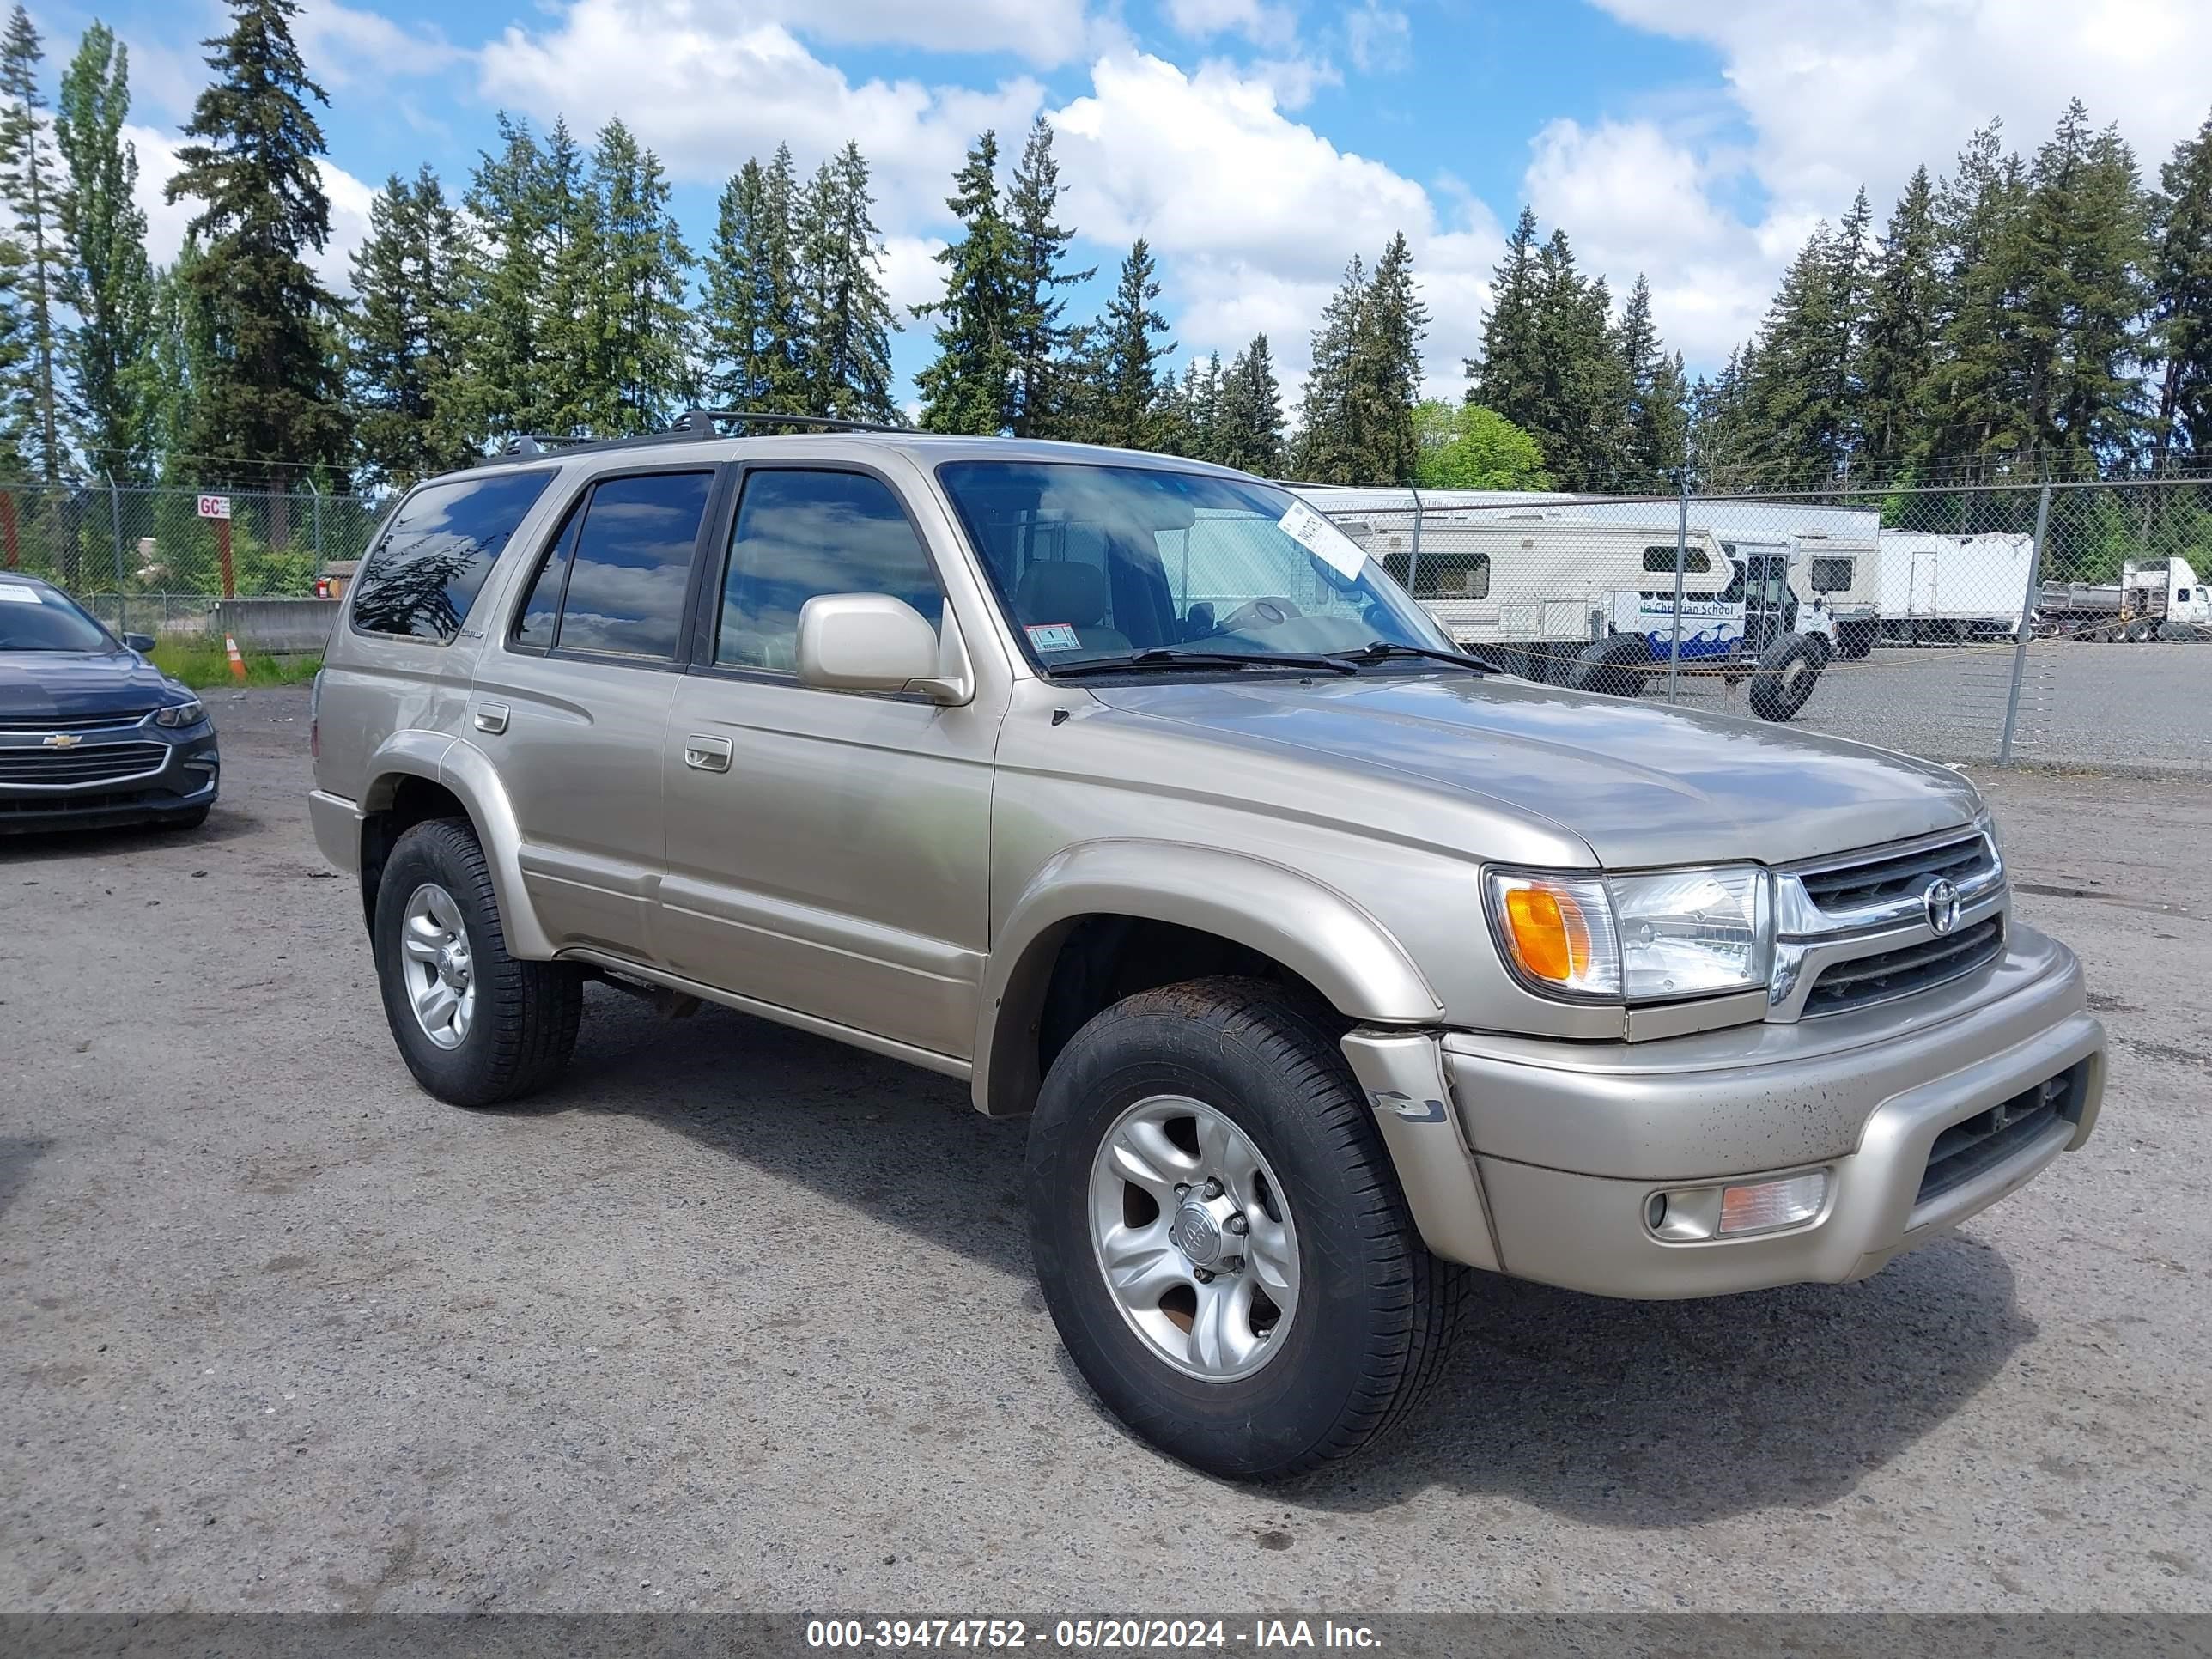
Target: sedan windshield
column 39, row 619
column 1101, row 564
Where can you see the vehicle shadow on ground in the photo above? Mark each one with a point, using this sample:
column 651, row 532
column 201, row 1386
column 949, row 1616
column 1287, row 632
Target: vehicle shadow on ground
column 1617, row 1413
column 46, row 846
column 17, row 1155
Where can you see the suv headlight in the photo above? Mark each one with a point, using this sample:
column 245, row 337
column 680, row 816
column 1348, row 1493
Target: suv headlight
column 180, row 713
column 1639, row 938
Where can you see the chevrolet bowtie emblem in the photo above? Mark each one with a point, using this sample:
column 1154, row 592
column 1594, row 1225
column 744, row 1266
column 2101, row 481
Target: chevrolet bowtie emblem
column 63, row 740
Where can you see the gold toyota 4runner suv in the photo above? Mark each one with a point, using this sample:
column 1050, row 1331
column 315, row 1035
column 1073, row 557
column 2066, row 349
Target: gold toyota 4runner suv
column 1329, row 962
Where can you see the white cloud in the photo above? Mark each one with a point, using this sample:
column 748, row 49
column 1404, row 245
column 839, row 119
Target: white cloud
column 166, row 221
column 343, row 45
column 1254, row 213
column 911, row 275
column 706, row 92
column 1378, row 37
column 1259, row 22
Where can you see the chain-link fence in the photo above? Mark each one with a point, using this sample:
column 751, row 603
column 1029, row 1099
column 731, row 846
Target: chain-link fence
column 155, row 559
column 2059, row 624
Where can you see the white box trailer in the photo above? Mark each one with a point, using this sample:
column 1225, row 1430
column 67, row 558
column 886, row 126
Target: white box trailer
column 1947, row 590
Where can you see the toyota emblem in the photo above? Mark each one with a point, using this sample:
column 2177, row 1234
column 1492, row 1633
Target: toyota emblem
column 1941, row 899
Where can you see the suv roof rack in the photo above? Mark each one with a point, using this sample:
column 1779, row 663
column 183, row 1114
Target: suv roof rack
column 692, row 423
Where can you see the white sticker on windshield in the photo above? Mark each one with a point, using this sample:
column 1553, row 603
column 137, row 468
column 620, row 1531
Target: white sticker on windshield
column 11, row 594
column 1322, row 539
column 1054, row 636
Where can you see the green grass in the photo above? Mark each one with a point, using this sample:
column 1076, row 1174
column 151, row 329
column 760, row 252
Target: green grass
column 198, row 664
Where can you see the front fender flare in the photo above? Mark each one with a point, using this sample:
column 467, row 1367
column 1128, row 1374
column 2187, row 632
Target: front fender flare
column 1315, row 931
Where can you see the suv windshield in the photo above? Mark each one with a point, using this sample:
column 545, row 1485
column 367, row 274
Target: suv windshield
column 1097, row 563
column 39, row 619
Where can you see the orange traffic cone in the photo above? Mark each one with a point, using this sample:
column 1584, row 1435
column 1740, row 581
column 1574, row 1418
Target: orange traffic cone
column 237, row 662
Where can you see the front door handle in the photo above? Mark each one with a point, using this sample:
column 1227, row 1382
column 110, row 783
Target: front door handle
column 491, row 717
column 706, row 754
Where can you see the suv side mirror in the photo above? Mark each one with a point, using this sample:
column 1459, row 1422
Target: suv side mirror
column 141, row 643
column 873, row 642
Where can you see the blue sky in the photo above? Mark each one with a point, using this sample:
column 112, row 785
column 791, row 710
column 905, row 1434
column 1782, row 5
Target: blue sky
column 1258, row 144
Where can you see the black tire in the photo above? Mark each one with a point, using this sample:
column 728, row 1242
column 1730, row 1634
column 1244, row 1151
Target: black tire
column 1856, row 640
column 1788, row 671
column 524, row 1028
column 1375, row 1311
column 1613, row 667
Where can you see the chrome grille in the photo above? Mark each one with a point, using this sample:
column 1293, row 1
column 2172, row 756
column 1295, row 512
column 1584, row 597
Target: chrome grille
column 72, row 722
column 1900, row 972
column 89, row 764
column 1884, row 879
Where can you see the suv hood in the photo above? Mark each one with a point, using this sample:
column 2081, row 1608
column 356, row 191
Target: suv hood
column 63, row 683
column 1639, row 783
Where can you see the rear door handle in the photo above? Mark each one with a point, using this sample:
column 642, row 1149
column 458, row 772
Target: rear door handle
column 491, row 717
column 706, row 754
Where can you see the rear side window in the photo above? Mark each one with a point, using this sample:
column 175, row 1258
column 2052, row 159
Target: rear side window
column 1443, row 575
column 424, row 574
column 613, row 581
column 1694, row 560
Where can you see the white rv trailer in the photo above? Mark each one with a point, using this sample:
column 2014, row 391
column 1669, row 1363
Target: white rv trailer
column 1946, row 590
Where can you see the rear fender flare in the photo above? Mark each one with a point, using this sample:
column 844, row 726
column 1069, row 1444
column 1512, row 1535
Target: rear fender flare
column 468, row 775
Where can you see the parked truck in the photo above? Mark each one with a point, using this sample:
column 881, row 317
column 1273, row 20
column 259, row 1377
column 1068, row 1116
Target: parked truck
column 1952, row 590
column 2153, row 599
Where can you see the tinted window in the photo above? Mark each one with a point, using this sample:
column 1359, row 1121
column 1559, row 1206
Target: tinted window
column 624, row 594
column 1443, row 575
column 1830, row 575
column 424, row 572
column 541, row 605
column 799, row 534
column 1694, row 559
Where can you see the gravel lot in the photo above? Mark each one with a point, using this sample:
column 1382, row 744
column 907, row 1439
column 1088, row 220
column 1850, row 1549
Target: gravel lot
column 735, row 1318
column 2130, row 708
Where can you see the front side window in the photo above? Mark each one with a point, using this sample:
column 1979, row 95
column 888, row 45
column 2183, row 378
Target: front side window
column 1830, row 575
column 612, row 583
column 803, row 534
column 424, row 573
column 1098, row 562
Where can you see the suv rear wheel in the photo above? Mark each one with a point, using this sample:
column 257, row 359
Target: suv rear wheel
column 475, row 1025
column 1220, row 1236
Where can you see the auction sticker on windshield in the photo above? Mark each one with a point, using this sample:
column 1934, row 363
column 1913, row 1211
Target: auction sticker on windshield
column 1322, row 539
column 1054, row 636
column 10, row 594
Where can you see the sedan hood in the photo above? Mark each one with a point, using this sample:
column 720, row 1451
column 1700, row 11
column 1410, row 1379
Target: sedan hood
column 1639, row 783
column 64, row 684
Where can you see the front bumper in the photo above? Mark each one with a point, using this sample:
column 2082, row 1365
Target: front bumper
column 171, row 774
column 1539, row 1159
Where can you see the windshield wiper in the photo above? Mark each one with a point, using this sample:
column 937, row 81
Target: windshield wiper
column 1166, row 657
column 1381, row 650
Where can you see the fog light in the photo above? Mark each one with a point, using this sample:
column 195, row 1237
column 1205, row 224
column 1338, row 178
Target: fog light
column 1771, row 1203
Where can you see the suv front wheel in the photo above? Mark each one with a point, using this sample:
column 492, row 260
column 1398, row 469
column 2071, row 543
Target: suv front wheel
column 475, row 1025
column 1220, row 1235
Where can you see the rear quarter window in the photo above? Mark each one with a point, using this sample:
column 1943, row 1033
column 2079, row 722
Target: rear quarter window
column 424, row 573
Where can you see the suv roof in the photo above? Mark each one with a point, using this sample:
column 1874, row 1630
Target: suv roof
column 697, row 435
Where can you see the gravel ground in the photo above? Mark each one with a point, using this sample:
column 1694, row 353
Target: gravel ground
column 2130, row 708
column 734, row 1318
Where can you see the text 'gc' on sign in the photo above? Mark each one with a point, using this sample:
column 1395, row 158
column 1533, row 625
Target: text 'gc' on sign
column 215, row 506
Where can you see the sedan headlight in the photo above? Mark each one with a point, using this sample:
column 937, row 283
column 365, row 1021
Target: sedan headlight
column 1639, row 938
column 180, row 713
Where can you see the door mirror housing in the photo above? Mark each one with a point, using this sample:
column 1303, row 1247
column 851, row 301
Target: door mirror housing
column 141, row 643
column 873, row 642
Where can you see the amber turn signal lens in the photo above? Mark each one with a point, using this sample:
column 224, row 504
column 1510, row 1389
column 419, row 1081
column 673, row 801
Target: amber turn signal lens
column 1549, row 934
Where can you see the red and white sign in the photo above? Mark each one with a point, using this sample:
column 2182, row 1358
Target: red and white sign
column 215, row 506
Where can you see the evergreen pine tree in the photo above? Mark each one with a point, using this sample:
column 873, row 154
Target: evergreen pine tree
column 1128, row 377
column 1249, row 431
column 1326, row 450
column 272, row 392
column 181, row 361
column 1897, row 357
column 506, row 277
column 572, row 391
column 847, row 320
column 1658, row 414
column 1385, row 375
column 1508, row 375
column 750, row 312
column 1976, row 395
column 2181, row 282
column 1042, row 345
column 29, row 182
column 1797, row 407
column 1579, row 409
column 106, row 280
column 412, row 415
column 968, row 387
column 638, row 322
